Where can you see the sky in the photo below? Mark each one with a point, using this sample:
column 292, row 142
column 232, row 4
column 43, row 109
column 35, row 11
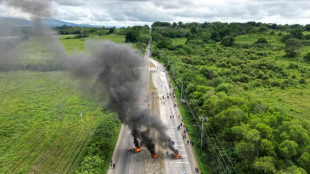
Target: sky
column 145, row 12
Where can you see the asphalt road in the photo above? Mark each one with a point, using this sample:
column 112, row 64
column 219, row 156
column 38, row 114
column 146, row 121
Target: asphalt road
column 127, row 162
column 170, row 115
column 135, row 163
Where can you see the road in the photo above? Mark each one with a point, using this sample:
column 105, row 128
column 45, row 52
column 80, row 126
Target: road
column 136, row 163
column 167, row 108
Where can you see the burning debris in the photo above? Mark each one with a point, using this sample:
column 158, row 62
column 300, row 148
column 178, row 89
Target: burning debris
column 135, row 150
column 154, row 155
column 174, row 156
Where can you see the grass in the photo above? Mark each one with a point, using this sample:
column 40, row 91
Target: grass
column 112, row 37
column 178, row 41
column 292, row 100
column 251, row 38
column 74, row 45
column 41, row 126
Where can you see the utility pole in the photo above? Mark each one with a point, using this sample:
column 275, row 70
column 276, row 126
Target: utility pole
column 173, row 77
column 181, row 90
column 168, row 60
column 203, row 119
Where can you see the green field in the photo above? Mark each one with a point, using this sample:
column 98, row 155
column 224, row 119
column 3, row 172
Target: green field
column 42, row 128
column 46, row 124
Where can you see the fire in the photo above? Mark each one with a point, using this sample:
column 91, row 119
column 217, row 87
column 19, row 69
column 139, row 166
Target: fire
column 154, row 155
column 138, row 149
column 177, row 156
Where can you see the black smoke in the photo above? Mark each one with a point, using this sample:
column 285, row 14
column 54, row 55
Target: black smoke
column 117, row 71
column 112, row 71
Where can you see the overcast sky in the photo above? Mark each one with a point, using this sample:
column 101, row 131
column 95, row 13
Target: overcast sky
column 140, row 12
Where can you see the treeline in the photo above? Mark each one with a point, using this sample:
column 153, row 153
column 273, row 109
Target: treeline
column 140, row 35
column 205, row 33
column 219, row 75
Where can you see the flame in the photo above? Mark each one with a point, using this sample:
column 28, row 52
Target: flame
column 138, row 149
column 177, row 156
column 154, row 155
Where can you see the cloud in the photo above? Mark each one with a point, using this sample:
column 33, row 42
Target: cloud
column 131, row 12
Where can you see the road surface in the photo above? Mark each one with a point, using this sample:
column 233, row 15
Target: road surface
column 168, row 107
column 138, row 163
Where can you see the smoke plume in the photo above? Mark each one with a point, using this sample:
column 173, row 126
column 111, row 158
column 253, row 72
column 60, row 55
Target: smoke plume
column 35, row 8
column 117, row 74
column 11, row 36
column 113, row 72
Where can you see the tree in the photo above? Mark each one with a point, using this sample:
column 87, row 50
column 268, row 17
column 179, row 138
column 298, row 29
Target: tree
column 145, row 38
column 111, row 30
column 266, row 148
column 292, row 46
column 304, row 161
column 288, row 149
column 227, row 41
column 307, row 27
column 132, row 36
column 174, row 25
column 297, row 33
column 194, row 30
column 265, row 164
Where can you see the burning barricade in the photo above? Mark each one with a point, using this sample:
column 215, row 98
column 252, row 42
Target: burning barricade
column 135, row 150
column 154, row 155
column 174, row 156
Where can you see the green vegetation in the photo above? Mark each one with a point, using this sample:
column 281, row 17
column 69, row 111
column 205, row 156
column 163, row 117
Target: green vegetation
column 251, row 80
column 46, row 124
column 73, row 37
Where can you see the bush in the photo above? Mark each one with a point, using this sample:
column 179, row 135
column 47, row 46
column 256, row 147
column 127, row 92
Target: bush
column 261, row 41
column 292, row 66
column 208, row 73
column 302, row 81
column 292, row 46
column 227, row 41
column 275, row 83
column 225, row 87
column 307, row 57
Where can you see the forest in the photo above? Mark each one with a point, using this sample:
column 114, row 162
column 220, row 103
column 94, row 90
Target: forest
column 251, row 80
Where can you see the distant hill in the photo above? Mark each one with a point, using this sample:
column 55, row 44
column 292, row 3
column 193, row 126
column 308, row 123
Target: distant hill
column 48, row 22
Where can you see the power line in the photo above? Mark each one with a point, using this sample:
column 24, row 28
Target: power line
column 216, row 154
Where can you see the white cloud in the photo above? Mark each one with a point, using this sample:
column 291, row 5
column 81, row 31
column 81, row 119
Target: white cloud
column 133, row 12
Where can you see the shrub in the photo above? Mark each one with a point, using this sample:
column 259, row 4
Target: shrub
column 275, row 83
column 227, row 41
column 307, row 57
column 225, row 87
column 302, row 81
column 292, row 66
column 292, row 46
column 261, row 41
